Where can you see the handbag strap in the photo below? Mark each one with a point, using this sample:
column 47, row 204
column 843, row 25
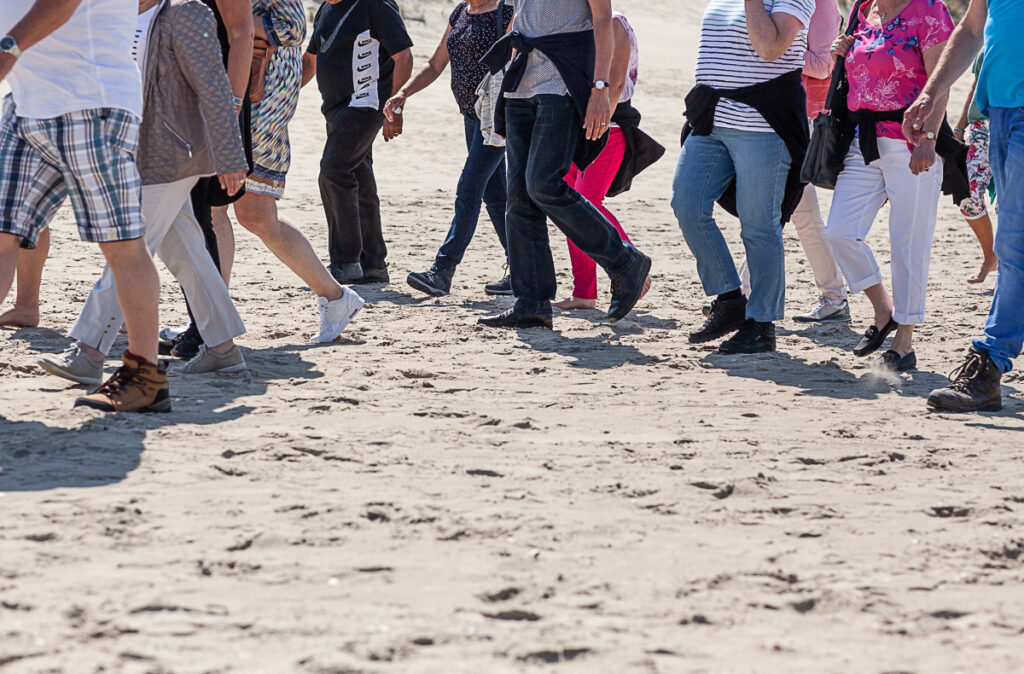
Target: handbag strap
column 839, row 72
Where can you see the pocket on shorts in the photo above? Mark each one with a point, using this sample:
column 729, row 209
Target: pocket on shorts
column 121, row 129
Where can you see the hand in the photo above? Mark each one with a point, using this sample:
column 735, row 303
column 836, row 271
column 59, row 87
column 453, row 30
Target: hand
column 232, row 182
column 915, row 117
column 7, row 62
column 923, row 157
column 392, row 129
column 599, row 114
column 959, row 133
column 842, row 46
column 394, row 107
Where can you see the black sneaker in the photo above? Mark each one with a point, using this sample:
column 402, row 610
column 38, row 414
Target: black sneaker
column 502, row 287
column 436, row 282
column 753, row 337
column 346, row 274
column 517, row 317
column 724, row 317
column 374, row 275
column 629, row 288
column 974, row 387
column 186, row 345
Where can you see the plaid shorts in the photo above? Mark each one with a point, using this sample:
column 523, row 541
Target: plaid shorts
column 87, row 155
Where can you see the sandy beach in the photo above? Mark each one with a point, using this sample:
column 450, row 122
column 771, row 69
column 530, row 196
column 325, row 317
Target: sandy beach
column 426, row 496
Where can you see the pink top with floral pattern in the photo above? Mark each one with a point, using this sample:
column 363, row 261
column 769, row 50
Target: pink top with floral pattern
column 886, row 66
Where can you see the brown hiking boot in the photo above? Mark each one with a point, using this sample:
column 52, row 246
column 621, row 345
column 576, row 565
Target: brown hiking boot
column 136, row 386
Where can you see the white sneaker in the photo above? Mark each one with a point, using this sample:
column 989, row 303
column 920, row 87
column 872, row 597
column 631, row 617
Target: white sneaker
column 73, row 364
column 169, row 334
column 335, row 316
column 826, row 311
column 208, row 360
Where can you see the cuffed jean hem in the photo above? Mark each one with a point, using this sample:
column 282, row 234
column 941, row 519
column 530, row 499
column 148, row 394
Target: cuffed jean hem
column 1002, row 361
column 907, row 319
column 868, row 281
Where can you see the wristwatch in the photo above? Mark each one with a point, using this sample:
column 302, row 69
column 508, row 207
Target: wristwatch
column 930, row 135
column 601, row 84
column 8, row 45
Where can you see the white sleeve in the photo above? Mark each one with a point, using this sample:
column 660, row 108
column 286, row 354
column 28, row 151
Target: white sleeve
column 803, row 10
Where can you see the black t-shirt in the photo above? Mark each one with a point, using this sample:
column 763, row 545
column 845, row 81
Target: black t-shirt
column 222, row 31
column 354, row 42
column 471, row 36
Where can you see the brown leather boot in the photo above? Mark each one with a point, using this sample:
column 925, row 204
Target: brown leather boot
column 136, row 386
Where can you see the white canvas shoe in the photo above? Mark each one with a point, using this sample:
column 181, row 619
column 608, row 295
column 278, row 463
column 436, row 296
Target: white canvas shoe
column 335, row 316
column 208, row 360
column 826, row 311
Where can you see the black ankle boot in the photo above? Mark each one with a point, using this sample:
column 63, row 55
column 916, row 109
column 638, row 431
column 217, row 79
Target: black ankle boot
column 753, row 337
column 725, row 316
column 974, row 387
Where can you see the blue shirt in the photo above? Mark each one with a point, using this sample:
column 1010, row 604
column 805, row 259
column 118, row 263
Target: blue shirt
column 1001, row 83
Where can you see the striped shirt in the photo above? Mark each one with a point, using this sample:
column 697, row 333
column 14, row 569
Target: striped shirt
column 726, row 58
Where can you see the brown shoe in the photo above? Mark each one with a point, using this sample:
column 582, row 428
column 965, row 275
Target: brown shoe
column 136, row 386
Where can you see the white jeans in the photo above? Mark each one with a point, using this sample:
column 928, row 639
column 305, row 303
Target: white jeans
column 171, row 231
column 914, row 202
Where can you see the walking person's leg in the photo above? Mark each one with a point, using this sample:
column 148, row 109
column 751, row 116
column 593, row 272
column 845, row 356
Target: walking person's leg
column 974, row 208
column 225, row 237
column 976, row 385
column 832, row 305
column 703, row 173
column 350, row 136
column 373, row 257
column 25, row 312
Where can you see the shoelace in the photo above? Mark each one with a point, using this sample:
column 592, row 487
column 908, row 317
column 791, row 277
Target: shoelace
column 820, row 306
column 961, row 378
column 122, row 379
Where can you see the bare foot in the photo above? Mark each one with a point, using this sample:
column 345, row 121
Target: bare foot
column 20, row 317
column 647, row 287
column 575, row 303
column 987, row 267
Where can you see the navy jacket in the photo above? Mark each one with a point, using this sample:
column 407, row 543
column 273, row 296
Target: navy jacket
column 572, row 54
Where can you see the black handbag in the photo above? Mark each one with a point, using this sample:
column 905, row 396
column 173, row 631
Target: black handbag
column 827, row 149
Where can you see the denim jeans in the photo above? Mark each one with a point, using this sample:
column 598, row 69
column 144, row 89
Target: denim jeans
column 760, row 163
column 482, row 181
column 1004, row 331
column 542, row 133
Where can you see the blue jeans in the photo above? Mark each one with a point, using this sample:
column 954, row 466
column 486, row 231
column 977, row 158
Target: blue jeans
column 482, row 181
column 1004, row 331
column 760, row 163
column 542, row 133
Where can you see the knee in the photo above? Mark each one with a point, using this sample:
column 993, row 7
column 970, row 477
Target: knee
column 688, row 207
column 546, row 192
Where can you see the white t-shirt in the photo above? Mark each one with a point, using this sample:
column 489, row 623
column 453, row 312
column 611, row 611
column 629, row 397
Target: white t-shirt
column 726, row 58
column 85, row 64
column 141, row 40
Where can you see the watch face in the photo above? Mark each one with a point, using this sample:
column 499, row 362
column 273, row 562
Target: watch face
column 7, row 43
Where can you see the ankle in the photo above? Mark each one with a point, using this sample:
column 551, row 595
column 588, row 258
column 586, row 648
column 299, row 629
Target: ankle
column 94, row 354
column 223, row 348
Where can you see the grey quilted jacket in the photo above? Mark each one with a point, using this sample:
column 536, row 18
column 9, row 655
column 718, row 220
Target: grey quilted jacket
column 189, row 125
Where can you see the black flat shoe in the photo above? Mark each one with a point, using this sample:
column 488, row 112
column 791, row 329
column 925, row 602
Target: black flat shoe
column 874, row 338
column 891, row 360
column 753, row 337
column 517, row 318
column 629, row 288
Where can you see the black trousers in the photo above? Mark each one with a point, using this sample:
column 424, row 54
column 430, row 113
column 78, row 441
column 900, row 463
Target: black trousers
column 348, row 188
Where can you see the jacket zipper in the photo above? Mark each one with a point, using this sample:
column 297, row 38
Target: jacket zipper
column 188, row 146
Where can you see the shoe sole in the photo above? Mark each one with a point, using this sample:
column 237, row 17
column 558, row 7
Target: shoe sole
column 241, row 367
column 644, row 274
column 56, row 372
column 739, row 353
column 828, row 319
column 162, row 407
column 994, row 406
column 498, row 293
column 415, row 284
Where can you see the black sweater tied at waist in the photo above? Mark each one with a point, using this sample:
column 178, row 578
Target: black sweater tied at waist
column 572, row 55
column 783, row 104
column 641, row 150
column 955, row 181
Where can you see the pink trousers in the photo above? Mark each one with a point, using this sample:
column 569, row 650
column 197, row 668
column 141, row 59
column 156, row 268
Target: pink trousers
column 593, row 184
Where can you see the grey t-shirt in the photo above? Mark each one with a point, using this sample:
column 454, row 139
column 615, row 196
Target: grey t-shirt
column 539, row 18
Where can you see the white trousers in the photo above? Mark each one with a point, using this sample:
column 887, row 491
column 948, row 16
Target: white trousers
column 914, row 202
column 173, row 233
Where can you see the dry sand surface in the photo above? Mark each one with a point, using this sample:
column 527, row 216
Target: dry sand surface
column 428, row 496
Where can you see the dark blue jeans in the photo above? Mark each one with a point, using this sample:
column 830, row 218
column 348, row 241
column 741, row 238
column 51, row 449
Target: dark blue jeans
column 482, row 181
column 542, row 133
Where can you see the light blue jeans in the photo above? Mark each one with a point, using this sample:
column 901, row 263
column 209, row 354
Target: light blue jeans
column 1004, row 331
column 760, row 164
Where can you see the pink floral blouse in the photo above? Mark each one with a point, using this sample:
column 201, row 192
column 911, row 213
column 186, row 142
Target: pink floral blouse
column 886, row 64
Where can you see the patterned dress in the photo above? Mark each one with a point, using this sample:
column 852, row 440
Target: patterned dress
column 284, row 22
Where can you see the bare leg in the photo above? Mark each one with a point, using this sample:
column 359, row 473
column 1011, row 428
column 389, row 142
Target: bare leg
column 25, row 312
column 258, row 214
column 225, row 242
column 575, row 303
column 138, row 291
column 982, row 229
column 9, row 246
column 903, row 341
column 882, row 304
